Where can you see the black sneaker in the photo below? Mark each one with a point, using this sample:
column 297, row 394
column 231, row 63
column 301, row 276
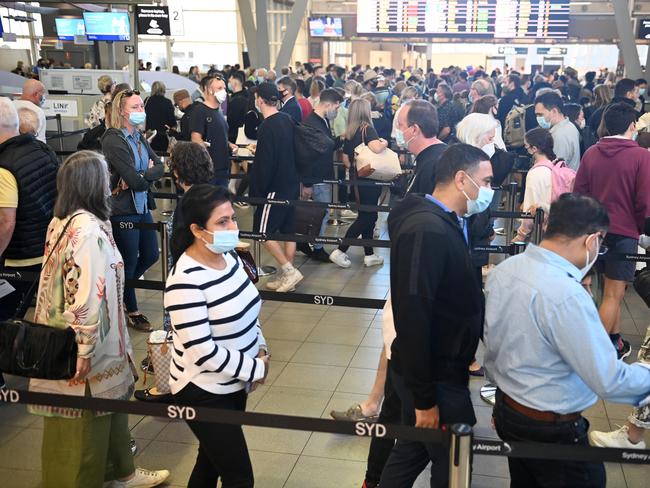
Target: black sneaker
column 623, row 349
column 139, row 322
column 320, row 255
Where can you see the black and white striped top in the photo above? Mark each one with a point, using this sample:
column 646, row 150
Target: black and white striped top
column 216, row 330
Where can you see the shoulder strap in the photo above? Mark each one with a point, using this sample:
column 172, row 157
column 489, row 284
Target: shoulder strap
column 21, row 310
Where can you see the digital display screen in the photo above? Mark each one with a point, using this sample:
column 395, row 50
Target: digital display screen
column 496, row 19
column 325, row 27
column 107, row 26
column 644, row 29
column 66, row 29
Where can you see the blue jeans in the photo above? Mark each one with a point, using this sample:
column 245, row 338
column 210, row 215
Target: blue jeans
column 139, row 249
column 322, row 192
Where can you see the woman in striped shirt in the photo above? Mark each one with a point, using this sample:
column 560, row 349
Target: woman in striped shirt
column 219, row 350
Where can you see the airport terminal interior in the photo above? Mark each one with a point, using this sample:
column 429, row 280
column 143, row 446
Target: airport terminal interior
column 323, row 316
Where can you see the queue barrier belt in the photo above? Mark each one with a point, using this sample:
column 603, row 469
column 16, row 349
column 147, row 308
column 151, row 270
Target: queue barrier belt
column 440, row 437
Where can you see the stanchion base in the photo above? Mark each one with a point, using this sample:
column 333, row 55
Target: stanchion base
column 488, row 393
column 167, row 213
column 266, row 270
column 337, row 222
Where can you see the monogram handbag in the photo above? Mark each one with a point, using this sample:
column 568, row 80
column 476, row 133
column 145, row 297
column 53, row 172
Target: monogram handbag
column 159, row 351
column 386, row 163
column 35, row 350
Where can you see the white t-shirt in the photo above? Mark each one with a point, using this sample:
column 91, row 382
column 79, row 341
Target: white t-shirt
column 39, row 112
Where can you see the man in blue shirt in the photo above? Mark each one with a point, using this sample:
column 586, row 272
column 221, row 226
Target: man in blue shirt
column 547, row 350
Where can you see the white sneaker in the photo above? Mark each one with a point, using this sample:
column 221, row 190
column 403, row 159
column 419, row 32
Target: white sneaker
column 275, row 282
column 143, row 479
column 348, row 214
column 373, row 260
column 617, row 438
column 376, row 233
column 290, row 280
column 340, row 258
column 241, row 205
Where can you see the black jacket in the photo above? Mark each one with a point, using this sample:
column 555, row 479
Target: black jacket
column 121, row 161
column 509, row 100
column 292, row 108
column 425, row 163
column 596, row 117
column 160, row 115
column 437, row 299
column 184, row 134
column 237, row 108
column 323, row 167
column 34, row 165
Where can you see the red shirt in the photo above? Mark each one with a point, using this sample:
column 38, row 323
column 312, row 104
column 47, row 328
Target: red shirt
column 306, row 107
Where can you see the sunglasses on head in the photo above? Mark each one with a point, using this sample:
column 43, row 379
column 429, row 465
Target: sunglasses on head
column 130, row 93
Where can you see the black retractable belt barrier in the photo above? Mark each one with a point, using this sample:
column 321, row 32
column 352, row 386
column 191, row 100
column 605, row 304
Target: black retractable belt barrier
column 440, row 437
column 337, row 241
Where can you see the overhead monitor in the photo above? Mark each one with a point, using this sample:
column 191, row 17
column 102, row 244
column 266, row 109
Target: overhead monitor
column 66, row 29
column 325, row 27
column 107, row 26
column 481, row 19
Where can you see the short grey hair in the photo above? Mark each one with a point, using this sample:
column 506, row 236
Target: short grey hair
column 473, row 127
column 8, row 116
column 483, row 88
column 83, row 183
column 28, row 121
column 158, row 88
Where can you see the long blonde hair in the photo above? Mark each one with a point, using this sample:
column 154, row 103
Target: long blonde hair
column 603, row 95
column 114, row 116
column 358, row 116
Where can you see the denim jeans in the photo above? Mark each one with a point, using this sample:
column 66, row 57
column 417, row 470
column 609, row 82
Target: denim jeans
column 541, row 473
column 139, row 249
column 322, row 192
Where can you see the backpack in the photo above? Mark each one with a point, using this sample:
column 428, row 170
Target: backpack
column 92, row 139
column 309, row 145
column 515, row 126
column 562, row 177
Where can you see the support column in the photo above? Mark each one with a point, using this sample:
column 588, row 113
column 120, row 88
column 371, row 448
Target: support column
column 647, row 64
column 133, row 58
column 34, row 51
column 248, row 25
column 289, row 41
column 626, row 40
column 263, row 48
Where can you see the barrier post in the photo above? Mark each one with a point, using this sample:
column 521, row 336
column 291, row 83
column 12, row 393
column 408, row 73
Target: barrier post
column 335, row 221
column 460, row 452
column 511, row 204
column 257, row 256
column 59, row 128
column 538, row 226
column 164, row 250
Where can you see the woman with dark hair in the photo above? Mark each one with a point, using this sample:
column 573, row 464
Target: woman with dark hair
column 81, row 287
column 576, row 114
column 134, row 167
column 219, row 351
column 539, row 144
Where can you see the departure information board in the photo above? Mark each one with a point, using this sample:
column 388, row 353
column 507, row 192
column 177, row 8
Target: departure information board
column 499, row 19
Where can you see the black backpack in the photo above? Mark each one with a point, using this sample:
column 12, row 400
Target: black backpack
column 92, row 139
column 309, row 144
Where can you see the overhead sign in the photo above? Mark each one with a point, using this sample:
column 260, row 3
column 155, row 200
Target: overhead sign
column 65, row 107
column 152, row 20
column 552, row 51
column 176, row 22
column 644, row 29
column 129, row 49
column 512, row 50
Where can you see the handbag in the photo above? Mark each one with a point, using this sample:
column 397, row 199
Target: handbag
column 35, row 350
column 248, row 263
column 386, row 163
column 159, row 352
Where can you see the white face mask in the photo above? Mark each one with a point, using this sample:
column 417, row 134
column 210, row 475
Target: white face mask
column 589, row 262
column 582, row 123
column 221, row 96
column 489, row 149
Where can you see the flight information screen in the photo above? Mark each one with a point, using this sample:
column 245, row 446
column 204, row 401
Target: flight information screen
column 499, row 19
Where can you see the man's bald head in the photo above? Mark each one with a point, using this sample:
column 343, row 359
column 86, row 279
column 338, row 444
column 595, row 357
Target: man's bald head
column 33, row 90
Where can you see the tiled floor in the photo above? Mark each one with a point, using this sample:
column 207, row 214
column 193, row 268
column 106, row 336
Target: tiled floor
column 323, row 358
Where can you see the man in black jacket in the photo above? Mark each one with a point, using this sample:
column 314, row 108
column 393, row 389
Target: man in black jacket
column 417, row 126
column 514, row 95
column 27, row 193
column 437, row 309
column 183, row 101
column 237, row 104
column 625, row 91
column 290, row 106
column 322, row 168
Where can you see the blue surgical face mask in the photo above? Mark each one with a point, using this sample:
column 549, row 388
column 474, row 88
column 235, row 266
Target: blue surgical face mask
column 137, row 118
column 260, row 80
column 399, row 139
column 482, row 202
column 641, row 91
column 543, row 123
column 223, row 241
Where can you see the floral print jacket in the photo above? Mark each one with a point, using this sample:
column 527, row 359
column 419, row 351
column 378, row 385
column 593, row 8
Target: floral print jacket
column 81, row 287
